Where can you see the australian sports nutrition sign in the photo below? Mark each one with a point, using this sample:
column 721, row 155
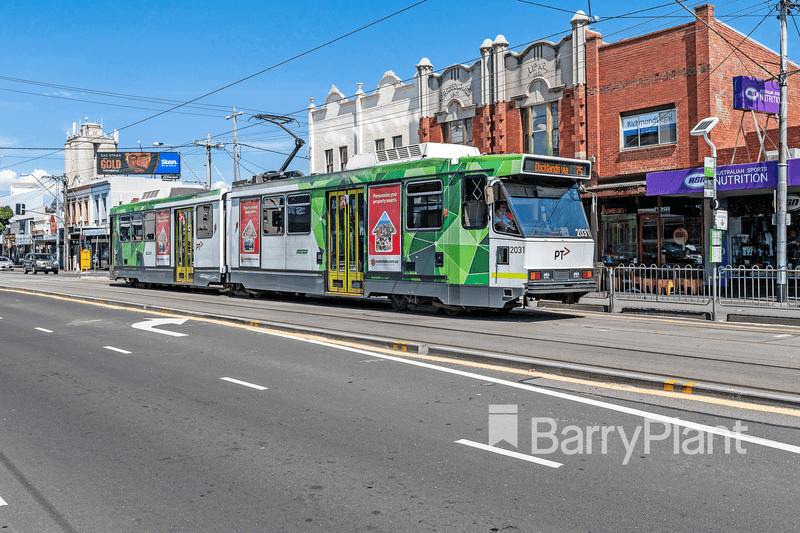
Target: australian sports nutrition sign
column 138, row 163
column 752, row 94
column 729, row 178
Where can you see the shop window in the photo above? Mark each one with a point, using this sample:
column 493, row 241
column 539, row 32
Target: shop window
column 424, row 205
column 298, row 213
column 473, row 202
column 620, row 241
column 650, row 129
column 150, row 226
column 273, row 215
column 540, row 129
column 205, row 221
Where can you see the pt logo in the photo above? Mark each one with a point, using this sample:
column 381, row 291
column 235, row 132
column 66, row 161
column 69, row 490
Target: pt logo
column 560, row 254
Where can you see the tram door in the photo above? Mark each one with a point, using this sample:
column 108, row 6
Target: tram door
column 184, row 246
column 346, row 241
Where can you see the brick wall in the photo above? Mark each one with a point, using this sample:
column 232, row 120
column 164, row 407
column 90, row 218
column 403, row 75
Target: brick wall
column 687, row 66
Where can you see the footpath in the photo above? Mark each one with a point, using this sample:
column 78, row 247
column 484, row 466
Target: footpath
column 736, row 378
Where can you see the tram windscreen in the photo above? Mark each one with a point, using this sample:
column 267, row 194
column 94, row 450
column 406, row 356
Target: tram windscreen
column 547, row 209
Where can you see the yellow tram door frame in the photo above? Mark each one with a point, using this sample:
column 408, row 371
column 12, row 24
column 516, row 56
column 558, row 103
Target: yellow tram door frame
column 345, row 228
column 184, row 245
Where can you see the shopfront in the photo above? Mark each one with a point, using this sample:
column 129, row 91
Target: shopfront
column 747, row 193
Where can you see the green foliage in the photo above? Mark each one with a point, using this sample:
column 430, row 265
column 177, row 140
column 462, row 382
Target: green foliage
column 5, row 214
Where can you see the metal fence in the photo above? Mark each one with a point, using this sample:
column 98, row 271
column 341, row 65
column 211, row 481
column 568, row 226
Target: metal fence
column 682, row 284
column 758, row 287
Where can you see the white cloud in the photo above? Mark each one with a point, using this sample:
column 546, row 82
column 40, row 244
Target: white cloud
column 220, row 185
column 9, row 176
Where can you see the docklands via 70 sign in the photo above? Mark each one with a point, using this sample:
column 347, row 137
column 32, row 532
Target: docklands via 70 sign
column 542, row 165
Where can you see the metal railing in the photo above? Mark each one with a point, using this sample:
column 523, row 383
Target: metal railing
column 758, row 287
column 690, row 285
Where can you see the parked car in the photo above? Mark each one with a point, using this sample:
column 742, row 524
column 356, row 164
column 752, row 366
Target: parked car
column 6, row 264
column 39, row 263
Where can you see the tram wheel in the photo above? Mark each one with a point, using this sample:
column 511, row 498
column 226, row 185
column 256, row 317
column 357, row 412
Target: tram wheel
column 399, row 301
column 453, row 311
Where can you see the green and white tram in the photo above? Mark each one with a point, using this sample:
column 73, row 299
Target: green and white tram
column 425, row 225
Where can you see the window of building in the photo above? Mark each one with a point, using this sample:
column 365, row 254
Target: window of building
column 105, row 209
column 343, row 157
column 96, row 210
column 328, row 160
column 424, row 205
column 540, row 129
column 650, row 128
column 458, row 132
column 397, row 141
column 273, row 215
column 473, row 202
column 380, row 144
column 298, row 213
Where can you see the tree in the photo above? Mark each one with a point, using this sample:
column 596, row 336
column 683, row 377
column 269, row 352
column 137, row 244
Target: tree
column 5, row 215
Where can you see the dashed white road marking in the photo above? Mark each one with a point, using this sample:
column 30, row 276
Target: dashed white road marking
column 515, row 455
column 120, row 350
column 246, row 384
column 2, row 502
column 780, row 336
column 45, row 330
column 743, row 437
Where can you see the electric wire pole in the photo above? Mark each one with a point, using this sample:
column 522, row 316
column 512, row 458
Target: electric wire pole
column 208, row 146
column 782, row 292
column 235, row 145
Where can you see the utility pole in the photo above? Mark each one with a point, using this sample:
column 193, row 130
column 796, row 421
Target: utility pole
column 235, row 145
column 208, row 147
column 782, row 291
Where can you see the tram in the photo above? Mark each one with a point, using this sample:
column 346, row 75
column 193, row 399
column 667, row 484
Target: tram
column 428, row 225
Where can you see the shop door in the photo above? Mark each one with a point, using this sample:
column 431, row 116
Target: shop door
column 346, row 242
column 649, row 239
column 184, row 246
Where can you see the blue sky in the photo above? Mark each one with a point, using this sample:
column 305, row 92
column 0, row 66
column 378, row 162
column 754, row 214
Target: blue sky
column 119, row 63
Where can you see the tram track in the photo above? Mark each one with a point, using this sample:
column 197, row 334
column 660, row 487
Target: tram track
column 612, row 351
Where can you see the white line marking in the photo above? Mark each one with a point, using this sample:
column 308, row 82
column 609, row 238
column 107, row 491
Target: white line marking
column 149, row 325
column 45, row 330
column 246, row 384
column 596, row 403
column 781, row 336
column 2, row 502
column 515, row 455
column 116, row 349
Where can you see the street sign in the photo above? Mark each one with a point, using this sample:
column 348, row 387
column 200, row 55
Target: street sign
column 86, row 259
column 716, row 246
column 721, row 219
column 8, row 245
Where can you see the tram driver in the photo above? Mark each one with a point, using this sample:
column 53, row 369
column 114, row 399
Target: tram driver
column 503, row 219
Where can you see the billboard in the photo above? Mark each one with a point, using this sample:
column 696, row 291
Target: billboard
column 384, row 254
column 756, row 95
column 249, row 240
column 138, row 163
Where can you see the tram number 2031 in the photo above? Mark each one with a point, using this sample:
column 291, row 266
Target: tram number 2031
column 516, row 249
column 582, row 232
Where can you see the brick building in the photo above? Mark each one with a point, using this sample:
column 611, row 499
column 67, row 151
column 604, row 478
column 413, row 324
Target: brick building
column 680, row 76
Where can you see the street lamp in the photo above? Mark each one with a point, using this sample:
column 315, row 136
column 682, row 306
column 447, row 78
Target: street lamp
column 179, row 155
column 710, row 191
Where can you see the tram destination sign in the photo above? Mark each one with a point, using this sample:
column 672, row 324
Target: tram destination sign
column 547, row 166
column 138, row 163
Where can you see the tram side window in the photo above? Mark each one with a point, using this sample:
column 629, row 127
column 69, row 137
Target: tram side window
column 473, row 202
column 424, row 205
column 273, row 215
column 137, row 229
column 205, row 221
column 149, row 226
column 124, row 228
column 298, row 213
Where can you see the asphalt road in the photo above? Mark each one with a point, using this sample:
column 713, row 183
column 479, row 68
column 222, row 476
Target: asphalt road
column 730, row 354
column 106, row 427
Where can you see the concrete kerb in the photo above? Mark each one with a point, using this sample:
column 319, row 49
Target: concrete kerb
column 645, row 381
